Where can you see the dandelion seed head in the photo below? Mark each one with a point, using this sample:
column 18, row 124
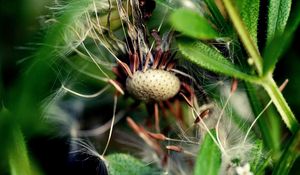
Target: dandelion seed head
column 153, row 84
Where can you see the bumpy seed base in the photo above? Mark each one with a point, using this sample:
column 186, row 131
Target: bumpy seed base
column 153, row 85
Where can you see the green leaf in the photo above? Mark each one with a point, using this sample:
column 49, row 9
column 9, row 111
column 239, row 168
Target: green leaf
column 280, row 42
column 13, row 149
column 217, row 18
column 210, row 59
column 190, row 23
column 278, row 14
column 126, row 165
column 209, row 157
column 249, row 11
column 258, row 162
column 289, row 156
column 18, row 155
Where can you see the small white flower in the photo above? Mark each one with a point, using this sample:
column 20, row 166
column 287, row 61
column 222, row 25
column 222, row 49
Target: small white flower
column 244, row 170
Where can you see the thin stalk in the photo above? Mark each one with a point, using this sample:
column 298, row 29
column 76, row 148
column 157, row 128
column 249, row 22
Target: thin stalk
column 280, row 103
column 244, row 35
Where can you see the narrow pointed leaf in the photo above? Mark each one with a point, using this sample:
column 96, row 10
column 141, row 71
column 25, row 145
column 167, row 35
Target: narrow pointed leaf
column 280, row 42
column 209, row 158
column 289, row 156
column 190, row 23
column 210, row 59
column 19, row 161
column 249, row 11
column 217, row 18
column 278, row 14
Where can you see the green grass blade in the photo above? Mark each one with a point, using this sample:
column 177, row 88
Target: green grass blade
column 18, row 156
column 126, row 165
column 19, row 160
column 289, row 156
column 278, row 14
column 210, row 59
column 249, row 11
column 16, row 159
column 217, row 17
column 280, row 42
column 209, row 157
column 191, row 24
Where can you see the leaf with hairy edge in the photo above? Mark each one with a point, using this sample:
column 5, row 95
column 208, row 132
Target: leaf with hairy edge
column 280, row 42
column 249, row 11
column 126, row 165
column 278, row 14
column 209, row 157
column 190, row 23
column 209, row 58
column 258, row 160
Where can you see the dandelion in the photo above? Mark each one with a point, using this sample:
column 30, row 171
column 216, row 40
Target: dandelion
column 150, row 73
